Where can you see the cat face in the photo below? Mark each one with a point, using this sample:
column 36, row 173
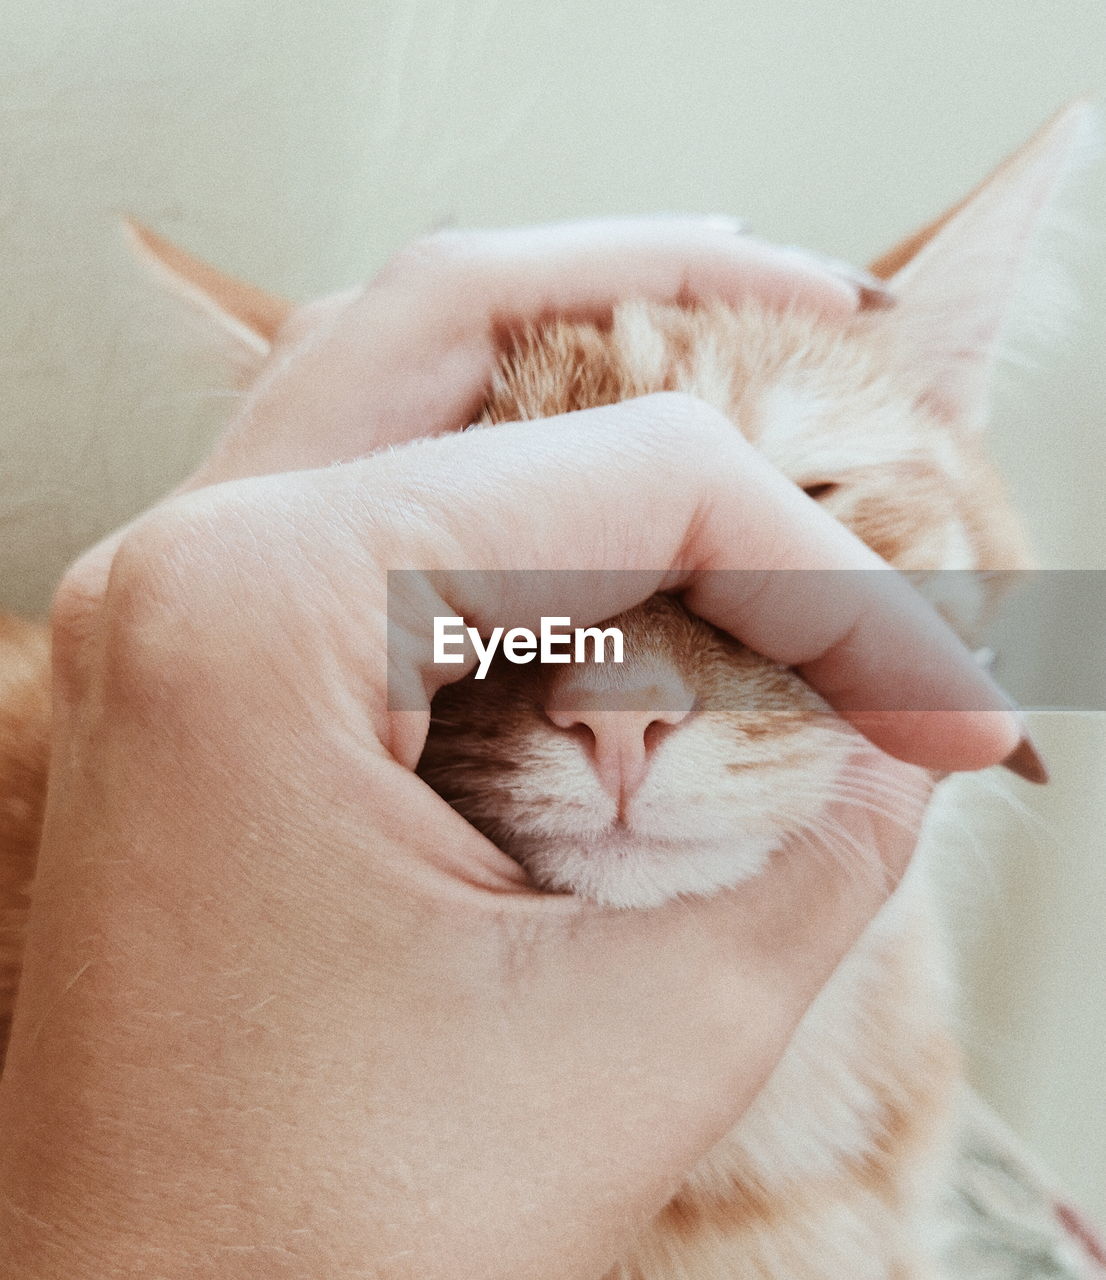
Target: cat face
column 682, row 769
column 717, row 754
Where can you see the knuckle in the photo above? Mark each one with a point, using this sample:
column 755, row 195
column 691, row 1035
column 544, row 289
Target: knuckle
column 308, row 317
column 181, row 532
column 138, row 631
column 687, row 425
column 444, row 253
column 150, row 572
column 446, row 245
column 74, row 616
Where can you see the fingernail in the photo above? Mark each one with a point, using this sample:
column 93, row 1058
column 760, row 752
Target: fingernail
column 1026, row 762
column 874, row 297
column 985, row 658
column 873, row 292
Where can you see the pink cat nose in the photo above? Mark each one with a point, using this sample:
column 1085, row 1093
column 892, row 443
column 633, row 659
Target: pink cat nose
column 621, row 739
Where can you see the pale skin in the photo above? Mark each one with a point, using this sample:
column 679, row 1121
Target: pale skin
column 284, row 1013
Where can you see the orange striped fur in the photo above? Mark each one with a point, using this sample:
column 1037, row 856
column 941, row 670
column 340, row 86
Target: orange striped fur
column 834, row 1171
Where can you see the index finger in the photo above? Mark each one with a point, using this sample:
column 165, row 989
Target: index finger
column 664, row 492
column 413, row 353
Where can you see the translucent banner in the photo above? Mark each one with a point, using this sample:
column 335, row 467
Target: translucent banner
column 641, row 640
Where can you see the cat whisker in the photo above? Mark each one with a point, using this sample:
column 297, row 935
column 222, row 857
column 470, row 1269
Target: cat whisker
column 877, row 804
column 850, row 853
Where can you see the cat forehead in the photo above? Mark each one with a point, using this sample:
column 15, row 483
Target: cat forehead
column 805, row 427
column 815, row 399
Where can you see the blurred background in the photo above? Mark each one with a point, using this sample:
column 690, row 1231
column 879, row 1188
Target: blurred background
column 299, row 145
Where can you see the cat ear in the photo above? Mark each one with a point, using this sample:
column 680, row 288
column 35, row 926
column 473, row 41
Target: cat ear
column 244, row 314
column 956, row 277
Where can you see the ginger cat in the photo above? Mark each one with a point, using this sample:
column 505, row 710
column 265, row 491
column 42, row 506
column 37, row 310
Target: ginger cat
column 836, row 1170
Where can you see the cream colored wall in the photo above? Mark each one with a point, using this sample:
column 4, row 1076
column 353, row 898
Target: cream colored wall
column 299, row 144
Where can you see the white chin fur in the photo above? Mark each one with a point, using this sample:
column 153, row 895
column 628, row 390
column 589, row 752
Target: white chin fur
column 624, row 873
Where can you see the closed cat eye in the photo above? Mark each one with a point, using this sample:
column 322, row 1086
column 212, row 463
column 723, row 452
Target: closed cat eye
column 819, row 491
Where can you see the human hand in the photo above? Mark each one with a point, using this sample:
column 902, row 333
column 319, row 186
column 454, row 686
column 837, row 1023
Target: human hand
column 267, row 964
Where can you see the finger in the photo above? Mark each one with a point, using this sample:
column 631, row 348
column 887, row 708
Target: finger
column 579, row 270
column 412, row 354
column 662, row 493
